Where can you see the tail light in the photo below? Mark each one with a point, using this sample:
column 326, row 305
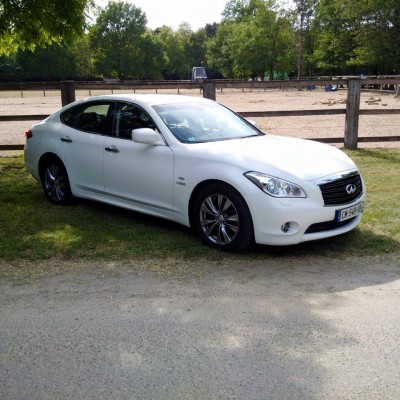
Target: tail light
column 28, row 134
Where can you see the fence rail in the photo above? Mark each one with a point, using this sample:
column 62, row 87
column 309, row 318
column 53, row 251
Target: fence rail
column 182, row 84
column 209, row 87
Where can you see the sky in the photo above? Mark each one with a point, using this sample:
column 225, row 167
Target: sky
column 172, row 13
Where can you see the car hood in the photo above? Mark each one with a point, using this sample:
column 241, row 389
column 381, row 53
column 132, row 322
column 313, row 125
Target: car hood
column 306, row 159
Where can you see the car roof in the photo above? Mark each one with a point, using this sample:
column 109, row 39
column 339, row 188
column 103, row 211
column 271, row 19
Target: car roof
column 149, row 99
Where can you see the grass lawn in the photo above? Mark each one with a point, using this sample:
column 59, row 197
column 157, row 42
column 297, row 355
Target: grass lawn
column 32, row 229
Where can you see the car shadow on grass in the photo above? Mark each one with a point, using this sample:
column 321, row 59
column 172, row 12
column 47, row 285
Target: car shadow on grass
column 168, row 238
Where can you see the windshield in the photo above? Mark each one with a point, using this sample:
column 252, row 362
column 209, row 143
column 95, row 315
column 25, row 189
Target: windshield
column 199, row 122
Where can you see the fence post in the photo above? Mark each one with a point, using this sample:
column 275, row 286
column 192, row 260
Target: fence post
column 352, row 113
column 209, row 89
column 67, row 92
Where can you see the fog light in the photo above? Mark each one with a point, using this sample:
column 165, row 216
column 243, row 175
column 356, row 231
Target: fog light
column 285, row 227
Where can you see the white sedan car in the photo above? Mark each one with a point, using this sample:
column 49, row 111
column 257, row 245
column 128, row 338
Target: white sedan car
column 193, row 161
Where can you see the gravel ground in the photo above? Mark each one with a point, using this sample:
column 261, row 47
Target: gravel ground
column 309, row 330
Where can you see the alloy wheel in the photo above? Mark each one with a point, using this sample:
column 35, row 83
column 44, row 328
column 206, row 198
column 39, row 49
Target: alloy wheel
column 219, row 219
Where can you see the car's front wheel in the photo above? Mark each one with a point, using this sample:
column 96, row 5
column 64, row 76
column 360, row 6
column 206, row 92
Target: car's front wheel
column 55, row 182
column 222, row 218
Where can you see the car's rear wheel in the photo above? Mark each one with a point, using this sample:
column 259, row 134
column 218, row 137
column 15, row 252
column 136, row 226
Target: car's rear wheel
column 222, row 218
column 55, row 182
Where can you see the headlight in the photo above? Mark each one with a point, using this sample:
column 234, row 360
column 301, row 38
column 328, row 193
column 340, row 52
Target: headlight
column 275, row 186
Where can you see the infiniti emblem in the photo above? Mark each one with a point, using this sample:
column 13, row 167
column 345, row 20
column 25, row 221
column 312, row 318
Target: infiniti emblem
column 351, row 189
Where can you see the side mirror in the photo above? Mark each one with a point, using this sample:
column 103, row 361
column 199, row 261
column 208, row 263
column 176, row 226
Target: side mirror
column 146, row 136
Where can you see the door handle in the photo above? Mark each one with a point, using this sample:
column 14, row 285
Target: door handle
column 112, row 149
column 66, row 139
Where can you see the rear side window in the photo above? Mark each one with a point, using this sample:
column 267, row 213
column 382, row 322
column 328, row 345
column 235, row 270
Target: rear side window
column 94, row 117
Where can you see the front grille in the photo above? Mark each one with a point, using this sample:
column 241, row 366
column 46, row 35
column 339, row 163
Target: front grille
column 328, row 226
column 336, row 192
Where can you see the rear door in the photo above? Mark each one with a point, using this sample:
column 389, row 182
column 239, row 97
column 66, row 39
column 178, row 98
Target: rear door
column 82, row 143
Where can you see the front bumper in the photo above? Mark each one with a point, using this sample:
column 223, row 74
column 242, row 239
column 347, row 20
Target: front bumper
column 292, row 221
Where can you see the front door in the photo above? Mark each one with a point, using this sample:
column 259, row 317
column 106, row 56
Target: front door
column 136, row 173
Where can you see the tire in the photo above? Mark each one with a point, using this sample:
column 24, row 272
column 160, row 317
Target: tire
column 55, row 182
column 222, row 218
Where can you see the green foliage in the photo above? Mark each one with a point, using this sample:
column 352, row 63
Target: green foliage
column 377, row 34
column 52, row 63
column 355, row 35
column 241, row 10
column 305, row 10
column 24, row 25
column 334, row 42
column 116, row 39
column 10, row 70
column 253, row 39
column 182, row 50
column 219, row 54
column 153, row 60
column 172, row 52
column 83, row 57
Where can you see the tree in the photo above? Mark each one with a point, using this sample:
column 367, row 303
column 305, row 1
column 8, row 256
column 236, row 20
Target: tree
column 305, row 11
column 153, row 60
column 255, row 37
column 26, row 24
column 185, row 42
column 10, row 69
column 219, row 52
column 335, row 43
column 355, row 36
column 239, row 10
column 83, row 57
column 193, row 47
column 376, row 32
column 117, row 38
column 52, row 63
column 173, row 53
column 182, row 50
column 211, row 30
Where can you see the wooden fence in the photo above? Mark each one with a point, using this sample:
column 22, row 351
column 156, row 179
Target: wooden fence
column 209, row 88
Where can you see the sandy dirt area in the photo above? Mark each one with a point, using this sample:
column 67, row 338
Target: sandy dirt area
column 248, row 100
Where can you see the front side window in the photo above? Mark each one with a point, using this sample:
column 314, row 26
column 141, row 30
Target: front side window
column 129, row 117
column 94, row 117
